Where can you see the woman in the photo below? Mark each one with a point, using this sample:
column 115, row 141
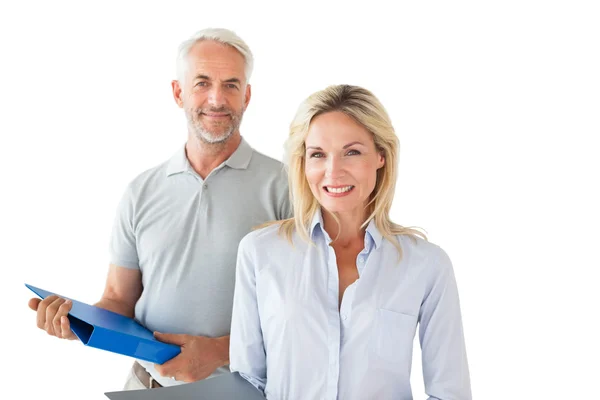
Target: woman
column 327, row 303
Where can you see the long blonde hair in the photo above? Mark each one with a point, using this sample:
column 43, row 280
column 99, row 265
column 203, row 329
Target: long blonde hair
column 364, row 108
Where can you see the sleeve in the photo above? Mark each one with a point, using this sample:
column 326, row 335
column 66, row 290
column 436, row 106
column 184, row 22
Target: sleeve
column 284, row 210
column 246, row 347
column 443, row 351
column 122, row 247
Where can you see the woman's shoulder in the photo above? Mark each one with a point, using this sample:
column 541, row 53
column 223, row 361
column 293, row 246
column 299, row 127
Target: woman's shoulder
column 265, row 235
column 420, row 250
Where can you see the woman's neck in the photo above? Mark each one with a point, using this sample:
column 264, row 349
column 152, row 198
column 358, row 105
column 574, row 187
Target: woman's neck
column 349, row 228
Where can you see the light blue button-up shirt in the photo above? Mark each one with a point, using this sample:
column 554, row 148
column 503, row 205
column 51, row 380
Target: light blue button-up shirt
column 290, row 340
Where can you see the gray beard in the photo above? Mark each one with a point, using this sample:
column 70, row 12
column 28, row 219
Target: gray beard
column 206, row 136
column 209, row 137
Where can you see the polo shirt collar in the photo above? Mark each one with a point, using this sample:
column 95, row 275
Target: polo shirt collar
column 240, row 159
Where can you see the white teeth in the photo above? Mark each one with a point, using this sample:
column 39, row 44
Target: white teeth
column 338, row 190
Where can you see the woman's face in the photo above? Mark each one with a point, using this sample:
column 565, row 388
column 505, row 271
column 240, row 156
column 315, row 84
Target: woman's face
column 341, row 162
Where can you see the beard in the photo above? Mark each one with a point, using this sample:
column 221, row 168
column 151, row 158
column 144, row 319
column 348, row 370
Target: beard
column 215, row 132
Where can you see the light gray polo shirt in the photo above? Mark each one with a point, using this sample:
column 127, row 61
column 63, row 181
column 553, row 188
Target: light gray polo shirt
column 182, row 233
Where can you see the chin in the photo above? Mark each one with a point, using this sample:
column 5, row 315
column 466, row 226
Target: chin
column 337, row 206
column 214, row 137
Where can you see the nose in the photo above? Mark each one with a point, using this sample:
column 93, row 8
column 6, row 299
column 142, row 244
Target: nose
column 334, row 168
column 216, row 97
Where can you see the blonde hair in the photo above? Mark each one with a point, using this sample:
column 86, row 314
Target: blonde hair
column 364, row 108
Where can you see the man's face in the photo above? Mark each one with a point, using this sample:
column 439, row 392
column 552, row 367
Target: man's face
column 214, row 93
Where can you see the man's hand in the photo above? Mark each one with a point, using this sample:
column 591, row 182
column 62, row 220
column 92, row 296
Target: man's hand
column 200, row 356
column 52, row 316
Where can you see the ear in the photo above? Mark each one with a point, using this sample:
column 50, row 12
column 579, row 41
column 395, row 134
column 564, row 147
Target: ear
column 247, row 96
column 177, row 92
column 381, row 160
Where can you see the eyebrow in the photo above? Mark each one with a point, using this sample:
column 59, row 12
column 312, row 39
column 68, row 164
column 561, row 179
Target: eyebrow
column 351, row 144
column 230, row 80
column 345, row 147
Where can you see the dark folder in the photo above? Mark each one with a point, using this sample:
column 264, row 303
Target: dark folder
column 106, row 330
column 223, row 387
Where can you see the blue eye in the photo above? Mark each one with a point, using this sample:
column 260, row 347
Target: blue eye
column 352, row 152
column 201, row 83
column 317, row 154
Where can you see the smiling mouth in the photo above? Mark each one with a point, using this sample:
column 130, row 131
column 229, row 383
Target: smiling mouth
column 216, row 115
column 339, row 189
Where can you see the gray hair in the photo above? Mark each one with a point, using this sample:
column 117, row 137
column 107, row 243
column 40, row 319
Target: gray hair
column 220, row 35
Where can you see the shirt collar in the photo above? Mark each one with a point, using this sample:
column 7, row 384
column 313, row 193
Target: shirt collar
column 317, row 222
column 240, row 159
column 372, row 235
column 178, row 162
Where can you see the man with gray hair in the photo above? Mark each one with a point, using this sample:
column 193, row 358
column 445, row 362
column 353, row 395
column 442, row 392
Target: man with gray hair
column 176, row 233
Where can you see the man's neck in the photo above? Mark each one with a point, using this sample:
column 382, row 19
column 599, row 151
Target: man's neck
column 205, row 157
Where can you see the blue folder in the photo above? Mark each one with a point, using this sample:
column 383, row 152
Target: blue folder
column 106, row 330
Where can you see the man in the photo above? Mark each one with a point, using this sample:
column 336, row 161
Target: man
column 178, row 225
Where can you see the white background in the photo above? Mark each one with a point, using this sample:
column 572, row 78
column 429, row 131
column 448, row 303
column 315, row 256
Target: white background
column 497, row 109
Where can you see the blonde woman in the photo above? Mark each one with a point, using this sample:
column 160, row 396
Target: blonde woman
column 327, row 303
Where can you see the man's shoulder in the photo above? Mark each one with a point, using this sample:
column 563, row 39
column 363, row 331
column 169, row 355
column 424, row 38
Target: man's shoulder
column 149, row 175
column 149, row 179
column 262, row 161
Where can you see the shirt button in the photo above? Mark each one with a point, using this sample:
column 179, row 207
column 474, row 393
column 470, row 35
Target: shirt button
column 361, row 260
column 344, row 317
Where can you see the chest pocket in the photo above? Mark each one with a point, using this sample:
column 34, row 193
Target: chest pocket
column 393, row 335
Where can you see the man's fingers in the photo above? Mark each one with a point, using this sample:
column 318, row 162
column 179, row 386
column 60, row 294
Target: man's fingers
column 173, row 338
column 171, row 367
column 34, row 303
column 62, row 311
column 65, row 328
column 52, row 316
column 56, row 327
column 165, row 369
column 41, row 311
column 51, row 312
column 65, row 307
